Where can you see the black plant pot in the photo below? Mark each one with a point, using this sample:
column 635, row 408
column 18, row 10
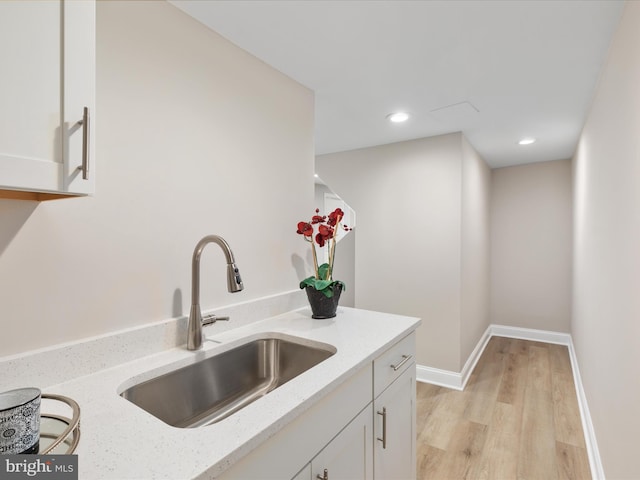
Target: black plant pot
column 321, row 306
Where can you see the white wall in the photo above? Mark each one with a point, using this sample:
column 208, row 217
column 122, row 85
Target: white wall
column 531, row 246
column 194, row 136
column 606, row 307
column 475, row 249
column 408, row 199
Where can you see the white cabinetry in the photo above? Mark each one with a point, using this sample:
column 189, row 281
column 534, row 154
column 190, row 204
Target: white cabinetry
column 395, row 412
column 304, row 474
column 341, row 416
column 340, row 433
column 396, row 457
column 347, row 456
column 47, row 50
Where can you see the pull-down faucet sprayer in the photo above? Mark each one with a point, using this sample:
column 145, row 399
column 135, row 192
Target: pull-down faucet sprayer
column 234, row 285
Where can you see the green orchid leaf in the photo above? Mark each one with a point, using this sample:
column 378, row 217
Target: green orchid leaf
column 321, row 285
column 324, row 286
column 308, row 282
column 323, row 270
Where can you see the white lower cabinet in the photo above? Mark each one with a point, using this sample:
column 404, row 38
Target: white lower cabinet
column 348, row 456
column 394, row 391
column 342, row 415
column 395, row 431
column 342, row 433
column 304, row 474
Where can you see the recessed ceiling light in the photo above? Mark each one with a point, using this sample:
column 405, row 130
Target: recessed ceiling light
column 398, row 117
column 526, row 141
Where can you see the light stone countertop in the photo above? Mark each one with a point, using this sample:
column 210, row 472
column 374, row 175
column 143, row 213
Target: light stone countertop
column 121, row 441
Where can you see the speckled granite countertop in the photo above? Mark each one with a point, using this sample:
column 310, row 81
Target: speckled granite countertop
column 121, row 441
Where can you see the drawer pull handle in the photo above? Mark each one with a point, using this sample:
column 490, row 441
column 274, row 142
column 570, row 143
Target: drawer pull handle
column 85, row 143
column 323, row 477
column 405, row 359
column 384, row 427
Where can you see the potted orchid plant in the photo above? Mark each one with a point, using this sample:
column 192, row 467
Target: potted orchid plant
column 322, row 290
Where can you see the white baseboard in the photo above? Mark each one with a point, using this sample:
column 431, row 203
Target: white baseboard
column 454, row 380
column 531, row 334
column 442, row 378
column 597, row 470
column 457, row 381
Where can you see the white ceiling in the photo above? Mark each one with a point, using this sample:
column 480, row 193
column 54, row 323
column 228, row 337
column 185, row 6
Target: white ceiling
column 495, row 70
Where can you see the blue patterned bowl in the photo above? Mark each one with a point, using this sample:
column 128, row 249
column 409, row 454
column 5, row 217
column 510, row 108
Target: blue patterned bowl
column 20, row 421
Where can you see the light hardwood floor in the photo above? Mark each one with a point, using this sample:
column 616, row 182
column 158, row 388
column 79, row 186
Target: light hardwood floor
column 518, row 418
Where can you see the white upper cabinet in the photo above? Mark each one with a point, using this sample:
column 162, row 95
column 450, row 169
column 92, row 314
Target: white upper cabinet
column 47, row 53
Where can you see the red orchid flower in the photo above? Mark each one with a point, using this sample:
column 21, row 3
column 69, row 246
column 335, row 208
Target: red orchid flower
column 325, row 231
column 320, row 240
column 335, row 217
column 323, row 235
column 305, row 229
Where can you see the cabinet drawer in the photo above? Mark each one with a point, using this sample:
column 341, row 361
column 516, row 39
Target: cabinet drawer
column 390, row 365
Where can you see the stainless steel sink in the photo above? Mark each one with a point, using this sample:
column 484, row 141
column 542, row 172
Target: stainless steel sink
column 212, row 389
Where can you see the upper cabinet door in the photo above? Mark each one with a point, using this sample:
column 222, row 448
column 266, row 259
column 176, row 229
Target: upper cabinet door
column 47, row 93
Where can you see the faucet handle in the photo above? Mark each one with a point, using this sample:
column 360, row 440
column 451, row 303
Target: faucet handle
column 212, row 318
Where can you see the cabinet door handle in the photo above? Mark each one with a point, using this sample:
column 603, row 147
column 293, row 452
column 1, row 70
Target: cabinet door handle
column 405, row 359
column 384, row 427
column 323, row 477
column 85, row 143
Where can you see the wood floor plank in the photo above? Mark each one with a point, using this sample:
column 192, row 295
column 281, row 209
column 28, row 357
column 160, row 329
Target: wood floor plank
column 429, row 459
column 531, row 343
column 536, row 455
column 500, row 453
column 519, row 346
column 480, row 407
column 446, row 409
column 483, row 392
column 454, row 403
column 438, row 430
column 573, row 462
column 559, row 358
column 539, row 372
column 464, row 449
column 566, row 413
column 518, row 418
column 514, row 379
column 427, row 397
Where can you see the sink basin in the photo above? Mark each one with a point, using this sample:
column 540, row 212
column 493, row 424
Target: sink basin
column 212, row 389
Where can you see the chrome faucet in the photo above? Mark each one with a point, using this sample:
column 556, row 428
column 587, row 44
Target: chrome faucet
column 234, row 285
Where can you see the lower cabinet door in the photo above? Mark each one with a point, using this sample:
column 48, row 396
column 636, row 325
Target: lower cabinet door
column 395, row 429
column 349, row 455
column 304, row 474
